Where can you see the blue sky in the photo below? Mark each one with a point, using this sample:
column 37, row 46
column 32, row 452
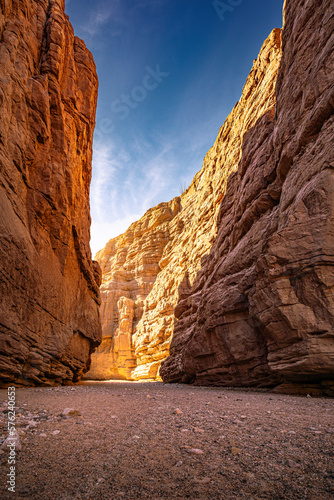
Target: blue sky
column 170, row 71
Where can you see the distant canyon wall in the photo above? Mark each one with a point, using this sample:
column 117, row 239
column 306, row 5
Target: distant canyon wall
column 232, row 283
column 49, row 317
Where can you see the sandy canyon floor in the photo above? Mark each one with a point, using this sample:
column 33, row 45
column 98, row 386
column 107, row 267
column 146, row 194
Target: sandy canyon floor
column 155, row 441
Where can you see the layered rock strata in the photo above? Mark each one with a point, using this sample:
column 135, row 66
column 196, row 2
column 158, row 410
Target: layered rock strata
column 156, row 261
column 261, row 309
column 49, row 319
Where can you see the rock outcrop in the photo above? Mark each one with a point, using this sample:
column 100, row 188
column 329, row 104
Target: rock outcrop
column 261, row 310
column 49, row 318
column 155, row 263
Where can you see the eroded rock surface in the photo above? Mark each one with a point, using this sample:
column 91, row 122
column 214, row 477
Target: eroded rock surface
column 49, row 319
column 261, row 310
column 156, row 262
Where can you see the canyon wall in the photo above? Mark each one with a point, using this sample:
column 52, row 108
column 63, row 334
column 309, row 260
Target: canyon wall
column 49, row 286
column 154, row 264
column 261, row 310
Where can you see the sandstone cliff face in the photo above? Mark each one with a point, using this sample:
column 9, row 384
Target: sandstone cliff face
column 155, row 263
column 261, row 310
column 49, row 319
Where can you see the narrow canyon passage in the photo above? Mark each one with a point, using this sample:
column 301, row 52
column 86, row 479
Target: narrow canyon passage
column 230, row 284
column 156, row 441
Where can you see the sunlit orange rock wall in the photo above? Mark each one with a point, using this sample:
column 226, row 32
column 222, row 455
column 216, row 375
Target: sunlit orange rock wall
column 261, row 310
column 156, row 262
column 49, row 319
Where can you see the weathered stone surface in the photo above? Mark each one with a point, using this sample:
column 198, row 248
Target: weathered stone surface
column 49, row 320
column 130, row 264
column 155, row 263
column 261, row 310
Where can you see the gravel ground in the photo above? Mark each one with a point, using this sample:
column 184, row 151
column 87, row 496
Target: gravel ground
column 155, row 441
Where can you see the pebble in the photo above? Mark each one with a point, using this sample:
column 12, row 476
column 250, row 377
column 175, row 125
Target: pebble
column 14, row 439
column 55, row 433
column 178, row 412
column 32, row 424
column 293, row 464
column 197, row 430
column 70, row 412
column 250, row 476
column 195, row 451
column 205, row 480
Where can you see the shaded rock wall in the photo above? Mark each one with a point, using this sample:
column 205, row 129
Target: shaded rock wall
column 261, row 310
column 155, row 263
column 49, row 319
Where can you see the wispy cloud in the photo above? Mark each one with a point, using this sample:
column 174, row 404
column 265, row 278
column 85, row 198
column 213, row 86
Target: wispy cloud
column 136, row 170
column 127, row 181
column 104, row 170
column 131, row 177
column 102, row 14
